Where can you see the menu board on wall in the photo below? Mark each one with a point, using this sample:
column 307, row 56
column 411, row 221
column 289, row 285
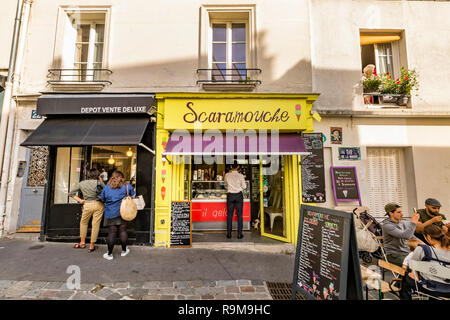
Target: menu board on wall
column 181, row 224
column 345, row 184
column 313, row 170
column 327, row 261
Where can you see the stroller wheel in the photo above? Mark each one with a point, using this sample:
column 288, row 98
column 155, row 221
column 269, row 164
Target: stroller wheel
column 365, row 256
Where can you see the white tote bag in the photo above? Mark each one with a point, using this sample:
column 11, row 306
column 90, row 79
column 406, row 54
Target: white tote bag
column 140, row 203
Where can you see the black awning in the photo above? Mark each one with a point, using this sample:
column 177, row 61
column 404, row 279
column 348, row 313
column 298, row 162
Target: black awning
column 77, row 131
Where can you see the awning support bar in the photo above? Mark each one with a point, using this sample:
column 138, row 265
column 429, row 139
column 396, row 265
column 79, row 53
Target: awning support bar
column 145, row 147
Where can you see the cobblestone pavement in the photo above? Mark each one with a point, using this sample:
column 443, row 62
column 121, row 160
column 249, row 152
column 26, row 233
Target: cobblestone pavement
column 152, row 290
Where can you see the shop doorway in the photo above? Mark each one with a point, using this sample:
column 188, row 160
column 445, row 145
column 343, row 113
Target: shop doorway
column 264, row 200
column 32, row 194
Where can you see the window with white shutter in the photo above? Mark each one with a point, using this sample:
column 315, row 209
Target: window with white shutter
column 386, row 179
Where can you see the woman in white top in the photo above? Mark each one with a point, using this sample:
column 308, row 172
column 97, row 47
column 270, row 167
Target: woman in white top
column 439, row 253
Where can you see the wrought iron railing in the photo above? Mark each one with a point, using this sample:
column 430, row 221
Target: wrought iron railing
column 78, row 75
column 234, row 76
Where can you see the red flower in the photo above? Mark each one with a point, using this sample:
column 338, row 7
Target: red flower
column 406, row 79
column 387, row 73
column 390, row 77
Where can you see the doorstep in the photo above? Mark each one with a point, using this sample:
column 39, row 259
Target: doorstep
column 32, row 236
column 283, row 248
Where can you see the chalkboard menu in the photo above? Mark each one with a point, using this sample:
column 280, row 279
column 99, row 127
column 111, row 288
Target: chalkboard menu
column 181, row 224
column 313, row 170
column 327, row 261
column 345, row 184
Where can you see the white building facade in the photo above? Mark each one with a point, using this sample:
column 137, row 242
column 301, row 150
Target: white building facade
column 304, row 46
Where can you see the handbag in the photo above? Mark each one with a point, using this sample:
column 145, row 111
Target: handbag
column 128, row 208
column 140, row 202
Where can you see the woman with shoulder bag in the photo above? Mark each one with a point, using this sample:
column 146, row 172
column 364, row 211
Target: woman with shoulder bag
column 92, row 207
column 112, row 195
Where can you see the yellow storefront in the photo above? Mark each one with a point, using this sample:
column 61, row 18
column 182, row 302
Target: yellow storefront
column 195, row 173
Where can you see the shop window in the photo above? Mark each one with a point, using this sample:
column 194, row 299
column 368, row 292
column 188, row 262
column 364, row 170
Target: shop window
column 73, row 163
column 70, row 164
column 110, row 158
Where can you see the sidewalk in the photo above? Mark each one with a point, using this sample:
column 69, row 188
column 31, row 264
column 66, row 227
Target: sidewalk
column 35, row 270
column 30, row 269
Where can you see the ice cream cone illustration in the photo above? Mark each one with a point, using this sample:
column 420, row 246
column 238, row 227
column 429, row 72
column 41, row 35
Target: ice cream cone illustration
column 298, row 111
column 345, row 193
column 164, row 143
column 163, row 192
column 163, row 175
column 325, row 293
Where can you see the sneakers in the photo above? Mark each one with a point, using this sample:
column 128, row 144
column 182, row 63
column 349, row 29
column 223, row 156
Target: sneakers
column 108, row 256
column 124, row 253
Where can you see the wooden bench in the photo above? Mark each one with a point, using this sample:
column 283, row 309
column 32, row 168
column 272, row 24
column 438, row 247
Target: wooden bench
column 374, row 281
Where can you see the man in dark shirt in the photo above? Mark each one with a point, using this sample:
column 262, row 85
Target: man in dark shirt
column 430, row 215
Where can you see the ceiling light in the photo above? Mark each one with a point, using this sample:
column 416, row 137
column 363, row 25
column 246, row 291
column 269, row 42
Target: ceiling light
column 129, row 153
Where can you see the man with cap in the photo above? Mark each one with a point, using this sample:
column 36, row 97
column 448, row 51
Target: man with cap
column 430, row 215
column 396, row 233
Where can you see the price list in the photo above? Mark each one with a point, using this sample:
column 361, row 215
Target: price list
column 180, row 228
column 321, row 255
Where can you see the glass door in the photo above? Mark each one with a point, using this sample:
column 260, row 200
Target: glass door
column 274, row 216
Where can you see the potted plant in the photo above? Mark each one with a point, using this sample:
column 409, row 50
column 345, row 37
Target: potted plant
column 388, row 89
column 370, row 80
column 408, row 81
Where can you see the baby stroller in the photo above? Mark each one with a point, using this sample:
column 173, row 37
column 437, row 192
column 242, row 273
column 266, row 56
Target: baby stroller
column 369, row 236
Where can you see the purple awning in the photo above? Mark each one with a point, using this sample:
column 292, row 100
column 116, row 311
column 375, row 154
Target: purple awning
column 185, row 143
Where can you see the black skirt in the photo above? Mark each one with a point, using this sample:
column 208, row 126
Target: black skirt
column 117, row 221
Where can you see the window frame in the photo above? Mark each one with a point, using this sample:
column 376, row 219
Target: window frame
column 228, row 44
column 61, row 57
column 216, row 13
column 395, row 54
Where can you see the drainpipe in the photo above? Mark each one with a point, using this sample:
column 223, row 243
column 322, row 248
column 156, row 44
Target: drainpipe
column 9, row 106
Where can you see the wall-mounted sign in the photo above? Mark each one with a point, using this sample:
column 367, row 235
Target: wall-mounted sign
column 286, row 113
column 34, row 115
column 94, row 104
column 313, row 170
column 336, row 135
column 345, row 184
column 326, row 260
column 349, row 153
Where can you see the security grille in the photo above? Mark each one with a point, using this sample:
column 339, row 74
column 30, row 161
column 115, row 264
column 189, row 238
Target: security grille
column 282, row 291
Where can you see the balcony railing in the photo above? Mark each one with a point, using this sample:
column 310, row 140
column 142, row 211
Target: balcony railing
column 78, row 76
column 229, row 76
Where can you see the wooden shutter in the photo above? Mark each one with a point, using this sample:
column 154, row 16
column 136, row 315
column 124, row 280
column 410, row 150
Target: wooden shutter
column 385, row 179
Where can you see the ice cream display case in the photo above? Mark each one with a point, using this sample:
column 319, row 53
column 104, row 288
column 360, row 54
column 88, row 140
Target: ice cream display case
column 209, row 206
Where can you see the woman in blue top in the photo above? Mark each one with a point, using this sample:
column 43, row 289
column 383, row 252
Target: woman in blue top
column 112, row 196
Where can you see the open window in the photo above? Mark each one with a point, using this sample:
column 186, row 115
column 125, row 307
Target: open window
column 382, row 49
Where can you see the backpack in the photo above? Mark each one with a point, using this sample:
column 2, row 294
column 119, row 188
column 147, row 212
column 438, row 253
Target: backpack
column 431, row 284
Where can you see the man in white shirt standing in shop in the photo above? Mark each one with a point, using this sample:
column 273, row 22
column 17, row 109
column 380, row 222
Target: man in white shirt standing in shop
column 235, row 183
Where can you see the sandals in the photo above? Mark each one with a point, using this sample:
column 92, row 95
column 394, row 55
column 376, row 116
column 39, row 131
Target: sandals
column 93, row 249
column 79, row 246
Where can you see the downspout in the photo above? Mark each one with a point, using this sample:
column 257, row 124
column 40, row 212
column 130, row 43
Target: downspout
column 9, row 107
